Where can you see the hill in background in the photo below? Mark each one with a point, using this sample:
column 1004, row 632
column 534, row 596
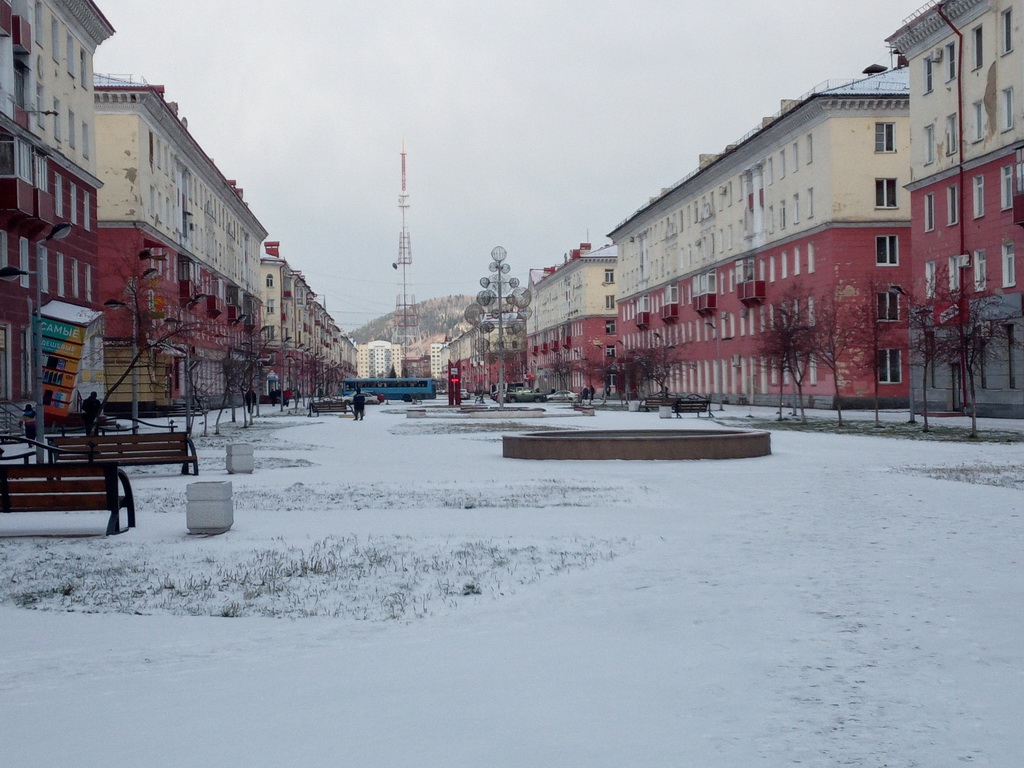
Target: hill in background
column 438, row 318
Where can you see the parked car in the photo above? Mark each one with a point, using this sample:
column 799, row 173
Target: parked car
column 372, row 398
column 524, row 395
column 563, row 396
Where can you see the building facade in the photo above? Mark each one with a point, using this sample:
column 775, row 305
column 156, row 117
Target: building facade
column 180, row 250
column 809, row 207
column 966, row 64
column 48, row 178
column 572, row 328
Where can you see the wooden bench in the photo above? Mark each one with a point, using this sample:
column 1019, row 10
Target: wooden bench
column 680, row 404
column 16, row 449
column 129, row 450
column 319, row 407
column 69, row 487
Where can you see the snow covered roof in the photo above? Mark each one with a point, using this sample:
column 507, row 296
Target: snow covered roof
column 70, row 313
column 894, row 81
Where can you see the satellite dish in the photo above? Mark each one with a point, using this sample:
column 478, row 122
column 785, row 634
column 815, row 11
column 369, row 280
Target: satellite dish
column 498, row 254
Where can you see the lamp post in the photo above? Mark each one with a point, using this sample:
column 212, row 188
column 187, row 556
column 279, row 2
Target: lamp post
column 59, row 231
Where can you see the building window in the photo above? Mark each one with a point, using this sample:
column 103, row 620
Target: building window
column 72, row 129
column 43, row 268
column 888, row 306
column 59, row 258
column 979, row 120
column 929, row 212
column 810, row 258
column 57, row 133
column 929, row 144
column 810, row 202
column 952, row 134
column 270, row 279
column 782, row 214
column 887, row 253
column 980, row 271
column 888, row 366
column 810, row 148
column 609, row 276
column 796, row 209
column 929, row 75
column 85, row 139
column 1006, row 31
column 1007, row 108
column 58, row 194
column 609, row 327
column 1009, row 268
column 952, row 205
column 71, row 54
column 978, row 42
column 1006, row 187
column 88, row 282
column 885, row 137
column 782, row 163
column 86, row 210
column 885, row 193
column 609, row 301
column 929, row 279
column 82, row 68
column 979, row 196
column 270, row 306
column 950, row 61
column 54, row 39
column 75, row 290
column 73, row 200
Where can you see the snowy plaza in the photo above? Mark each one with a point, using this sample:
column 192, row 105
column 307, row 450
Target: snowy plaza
column 394, row 592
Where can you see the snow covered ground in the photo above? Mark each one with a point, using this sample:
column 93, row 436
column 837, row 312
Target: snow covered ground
column 395, row 593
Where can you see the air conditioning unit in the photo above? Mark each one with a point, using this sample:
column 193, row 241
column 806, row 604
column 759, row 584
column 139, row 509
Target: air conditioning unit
column 936, row 54
column 963, row 260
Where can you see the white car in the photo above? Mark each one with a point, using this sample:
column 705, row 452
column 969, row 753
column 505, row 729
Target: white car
column 563, row 396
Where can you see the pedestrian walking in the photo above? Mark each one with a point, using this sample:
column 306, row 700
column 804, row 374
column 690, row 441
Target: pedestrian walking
column 358, row 405
column 250, row 400
column 28, row 422
column 91, row 408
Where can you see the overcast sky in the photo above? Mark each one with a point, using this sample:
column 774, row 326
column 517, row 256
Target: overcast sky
column 531, row 124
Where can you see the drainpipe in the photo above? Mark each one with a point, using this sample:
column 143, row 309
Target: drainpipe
column 941, row 11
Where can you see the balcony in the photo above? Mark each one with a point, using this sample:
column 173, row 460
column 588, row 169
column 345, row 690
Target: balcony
column 17, row 195
column 706, row 303
column 567, row 342
column 234, row 311
column 1018, row 209
column 21, row 34
column 44, row 206
column 643, row 319
column 6, row 18
column 186, row 289
column 751, row 292
column 555, row 345
column 670, row 313
column 213, row 306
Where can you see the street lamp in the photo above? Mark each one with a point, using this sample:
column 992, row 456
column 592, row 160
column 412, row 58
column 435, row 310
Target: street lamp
column 59, row 231
column 716, row 371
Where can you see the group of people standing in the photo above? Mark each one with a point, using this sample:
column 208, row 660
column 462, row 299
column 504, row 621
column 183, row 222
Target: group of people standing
column 587, row 394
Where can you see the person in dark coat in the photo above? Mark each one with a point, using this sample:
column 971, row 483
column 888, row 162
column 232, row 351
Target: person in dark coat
column 358, row 405
column 28, row 422
column 91, row 408
column 250, row 400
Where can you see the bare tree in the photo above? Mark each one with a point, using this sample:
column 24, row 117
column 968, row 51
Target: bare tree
column 788, row 342
column 834, row 341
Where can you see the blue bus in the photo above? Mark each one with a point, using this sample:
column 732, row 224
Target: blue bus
column 408, row 390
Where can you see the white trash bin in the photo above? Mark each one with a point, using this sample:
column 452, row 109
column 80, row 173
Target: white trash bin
column 240, row 459
column 664, row 411
column 634, row 405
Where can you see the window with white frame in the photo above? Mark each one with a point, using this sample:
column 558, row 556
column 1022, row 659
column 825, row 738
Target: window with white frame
column 782, row 163
column 796, row 156
column 810, row 148
column 73, row 200
column 1009, row 267
column 75, row 285
column 85, row 139
column 980, row 271
column 43, row 268
column 23, row 259
column 796, row 208
column 609, row 301
column 58, row 134
column 929, row 74
column 609, row 327
column 58, row 195
column 796, row 260
column 609, row 276
column 86, row 210
column 810, row 258
column 1006, row 31
column 978, row 111
column 978, row 196
column 955, row 265
column 54, row 39
column 885, row 137
column 952, row 134
column 952, row 204
column 950, row 61
column 810, row 202
column 887, row 251
column 929, row 144
column 782, row 214
column 885, row 193
column 72, row 129
column 270, row 280
column 889, row 366
column 888, row 306
column 71, row 54
column 928, row 204
column 1006, row 187
column 977, row 47
column 1007, row 109
column 61, row 290
column 929, row 279
column 88, row 282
